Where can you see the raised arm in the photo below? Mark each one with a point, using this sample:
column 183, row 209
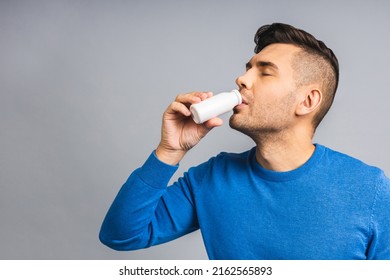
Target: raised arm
column 145, row 212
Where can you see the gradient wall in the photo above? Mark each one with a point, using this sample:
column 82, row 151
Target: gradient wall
column 83, row 85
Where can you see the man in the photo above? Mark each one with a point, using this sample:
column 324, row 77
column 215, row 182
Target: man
column 286, row 198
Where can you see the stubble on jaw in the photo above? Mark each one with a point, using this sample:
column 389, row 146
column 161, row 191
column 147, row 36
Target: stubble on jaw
column 269, row 125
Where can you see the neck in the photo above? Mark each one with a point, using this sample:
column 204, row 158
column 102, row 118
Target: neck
column 283, row 152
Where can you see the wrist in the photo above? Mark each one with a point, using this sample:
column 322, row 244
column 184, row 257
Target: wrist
column 169, row 156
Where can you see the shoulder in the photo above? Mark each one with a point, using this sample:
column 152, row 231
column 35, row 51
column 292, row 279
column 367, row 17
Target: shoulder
column 347, row 164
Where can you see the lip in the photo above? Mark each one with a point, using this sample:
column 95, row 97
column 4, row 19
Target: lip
column 239, row 107
column 243, row 101
column 243, row 97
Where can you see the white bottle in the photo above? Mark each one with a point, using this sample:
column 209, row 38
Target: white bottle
column 215, row 105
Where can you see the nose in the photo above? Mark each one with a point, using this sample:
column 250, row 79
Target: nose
column 245, row 80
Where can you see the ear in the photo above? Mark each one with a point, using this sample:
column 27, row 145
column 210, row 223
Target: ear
column 311, row 100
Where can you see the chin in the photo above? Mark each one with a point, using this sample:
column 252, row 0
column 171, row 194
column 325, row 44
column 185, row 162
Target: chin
column 246, row 127
column 237, row 123
column 232, row 121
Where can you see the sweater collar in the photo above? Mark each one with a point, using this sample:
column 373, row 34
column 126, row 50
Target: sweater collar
column 270, row 175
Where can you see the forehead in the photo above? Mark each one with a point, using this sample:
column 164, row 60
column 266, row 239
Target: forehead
column 279, row 54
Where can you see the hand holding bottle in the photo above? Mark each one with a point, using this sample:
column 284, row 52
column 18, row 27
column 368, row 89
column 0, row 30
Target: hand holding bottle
column 179, row 133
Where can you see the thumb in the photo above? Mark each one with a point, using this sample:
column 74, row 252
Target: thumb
column 205, row 127
column 210, row 124
column 214, row 122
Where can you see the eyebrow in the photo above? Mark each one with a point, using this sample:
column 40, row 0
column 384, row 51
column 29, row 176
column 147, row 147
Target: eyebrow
column 262, row 64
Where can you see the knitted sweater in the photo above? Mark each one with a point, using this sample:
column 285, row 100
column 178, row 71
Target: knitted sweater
column 331, row 207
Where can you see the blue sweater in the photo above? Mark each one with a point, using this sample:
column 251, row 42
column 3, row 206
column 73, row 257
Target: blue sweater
column 332, row 207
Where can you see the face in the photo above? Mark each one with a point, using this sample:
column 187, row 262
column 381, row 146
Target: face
column 269, row 92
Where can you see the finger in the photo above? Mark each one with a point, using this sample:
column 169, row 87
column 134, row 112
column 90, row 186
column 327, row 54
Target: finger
column 193, row 97
column 177, row 107
column 209, row 94
column 205, row 95
column 188, row 98
column 214, row 122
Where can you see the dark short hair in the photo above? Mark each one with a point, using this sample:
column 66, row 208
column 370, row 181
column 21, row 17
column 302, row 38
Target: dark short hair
column 287, row 34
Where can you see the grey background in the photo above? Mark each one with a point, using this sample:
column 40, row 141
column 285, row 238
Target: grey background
column 83, row 85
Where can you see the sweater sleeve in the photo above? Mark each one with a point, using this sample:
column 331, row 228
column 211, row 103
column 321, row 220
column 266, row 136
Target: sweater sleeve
column 379, row 245
column 145, row 212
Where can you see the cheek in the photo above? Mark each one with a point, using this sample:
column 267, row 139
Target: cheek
column 269, row 94
column 276, row 101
